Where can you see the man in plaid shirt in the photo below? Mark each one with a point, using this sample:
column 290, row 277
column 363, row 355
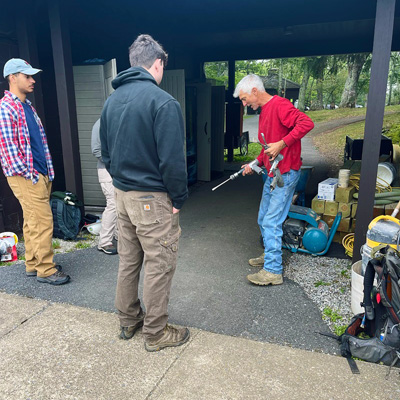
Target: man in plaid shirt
column 26, row 162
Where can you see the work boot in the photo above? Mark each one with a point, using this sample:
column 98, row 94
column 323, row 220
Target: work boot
column 108, row 249
column 127, row 332
column 58, row 278
column 171, row 337
column 257, row 262
column 264, row 278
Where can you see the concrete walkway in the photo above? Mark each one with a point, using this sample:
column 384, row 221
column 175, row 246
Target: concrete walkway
column 58, row 351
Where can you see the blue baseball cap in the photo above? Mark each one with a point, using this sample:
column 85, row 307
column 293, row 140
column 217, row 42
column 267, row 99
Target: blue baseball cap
column 16, row 65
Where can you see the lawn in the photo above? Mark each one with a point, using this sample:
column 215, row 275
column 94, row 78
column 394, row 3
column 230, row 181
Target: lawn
column 254, row 151
column 331, row 144
column 330, row 115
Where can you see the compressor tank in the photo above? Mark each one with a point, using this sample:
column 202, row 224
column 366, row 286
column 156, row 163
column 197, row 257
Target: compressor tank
column 316, row 239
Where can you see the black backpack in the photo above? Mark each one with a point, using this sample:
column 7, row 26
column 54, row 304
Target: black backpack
column 374, row 336
column 66, row 215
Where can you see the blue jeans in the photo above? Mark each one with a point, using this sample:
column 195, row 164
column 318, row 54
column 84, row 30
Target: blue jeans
column 274, row 208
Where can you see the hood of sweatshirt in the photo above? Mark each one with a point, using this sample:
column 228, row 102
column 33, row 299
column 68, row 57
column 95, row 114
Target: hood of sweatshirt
column 132, row 74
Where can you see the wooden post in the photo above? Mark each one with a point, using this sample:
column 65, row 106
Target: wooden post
column 374, row 119
column 65, row 96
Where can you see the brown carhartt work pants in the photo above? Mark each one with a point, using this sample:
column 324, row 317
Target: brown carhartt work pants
column 148, row 234
column 38, row 222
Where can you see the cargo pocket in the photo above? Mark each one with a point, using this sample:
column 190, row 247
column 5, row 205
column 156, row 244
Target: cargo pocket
column 169, row 253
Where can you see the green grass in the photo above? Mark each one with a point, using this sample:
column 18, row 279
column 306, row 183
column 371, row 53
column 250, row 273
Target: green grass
column 254, row 152
column 56, row 244
column 339, row 329
column 332, row 315
column 331, row 144
column 82, row 245
column 321, row 283
column 330, row 115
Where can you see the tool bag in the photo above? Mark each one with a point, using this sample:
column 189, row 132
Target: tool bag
column 374, row 336
column 66, row 215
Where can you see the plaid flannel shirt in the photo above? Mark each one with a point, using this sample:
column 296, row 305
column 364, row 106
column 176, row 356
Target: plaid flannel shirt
column 15, row 145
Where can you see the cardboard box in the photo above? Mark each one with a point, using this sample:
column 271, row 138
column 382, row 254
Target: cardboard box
column 318, row 205
column 345, row 225
column 345, row 209
column 354, row 210
column 337, row 238
column 329, row 220
column 327, row 188
column 331, row 207
column 345, row 195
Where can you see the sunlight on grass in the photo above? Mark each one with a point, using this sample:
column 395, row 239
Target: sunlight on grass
column 329, row 115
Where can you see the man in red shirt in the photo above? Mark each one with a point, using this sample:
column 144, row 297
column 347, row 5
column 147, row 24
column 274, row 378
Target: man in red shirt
column 283, row 126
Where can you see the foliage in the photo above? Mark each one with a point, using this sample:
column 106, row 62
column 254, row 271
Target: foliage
column 83, row 245
column 332, row 315
column 56, row 244
column 339, row 329
column 321, row 283
column 328, row 75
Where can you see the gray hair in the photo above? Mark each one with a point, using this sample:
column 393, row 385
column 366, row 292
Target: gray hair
column 248, row 83
column 144, row 51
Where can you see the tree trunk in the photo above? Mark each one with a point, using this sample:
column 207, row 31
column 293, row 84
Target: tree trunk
column 318, row 70
column 303, row 88
column 354, row 67
column 280, row 90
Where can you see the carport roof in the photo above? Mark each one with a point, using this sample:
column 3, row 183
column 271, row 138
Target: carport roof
column 222, row 30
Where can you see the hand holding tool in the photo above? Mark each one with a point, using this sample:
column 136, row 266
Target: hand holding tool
column 253, row 165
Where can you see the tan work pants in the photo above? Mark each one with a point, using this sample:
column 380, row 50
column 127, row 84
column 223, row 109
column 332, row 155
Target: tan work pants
column 38, row 222
column 109, row 228
column 148, row 234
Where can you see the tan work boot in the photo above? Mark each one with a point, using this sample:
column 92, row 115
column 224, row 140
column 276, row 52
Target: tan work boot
column 264, row 278
column 257, row 262
column 171, row 337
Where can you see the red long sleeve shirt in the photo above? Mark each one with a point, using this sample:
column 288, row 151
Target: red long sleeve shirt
column 280, row 120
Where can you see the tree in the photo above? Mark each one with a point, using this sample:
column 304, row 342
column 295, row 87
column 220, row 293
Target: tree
column 355, row 63
column 304, row 83
column 317, row 70
column 394, row 76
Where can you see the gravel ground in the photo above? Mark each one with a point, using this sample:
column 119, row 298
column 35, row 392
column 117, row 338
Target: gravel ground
column 326, row 281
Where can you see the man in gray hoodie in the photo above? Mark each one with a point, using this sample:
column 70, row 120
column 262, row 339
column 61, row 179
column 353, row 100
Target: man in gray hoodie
column 142, row 146
column 109, row 230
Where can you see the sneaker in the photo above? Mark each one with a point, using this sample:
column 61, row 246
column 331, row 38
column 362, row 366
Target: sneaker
column 109, row 249
column 264, row 278
column 34, row 273
column 127, row 332
column 58, row 278
column 171, row 337
column 257, row 262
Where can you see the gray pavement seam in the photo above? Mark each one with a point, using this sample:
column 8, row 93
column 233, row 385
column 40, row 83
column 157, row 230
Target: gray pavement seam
column 26, row 320
column 193, row 335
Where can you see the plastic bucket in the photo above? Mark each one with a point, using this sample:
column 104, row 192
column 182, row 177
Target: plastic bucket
column 357, row 288
column 386, row 174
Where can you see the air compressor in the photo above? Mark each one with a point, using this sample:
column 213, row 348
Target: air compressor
column 305, row 232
